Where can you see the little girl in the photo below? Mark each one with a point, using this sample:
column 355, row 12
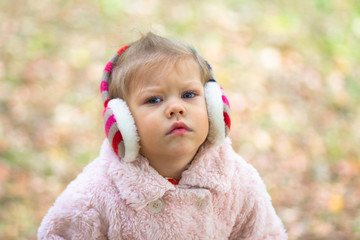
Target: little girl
column 166, row 169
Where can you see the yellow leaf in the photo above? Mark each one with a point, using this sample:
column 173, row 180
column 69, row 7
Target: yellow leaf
column 336, row 203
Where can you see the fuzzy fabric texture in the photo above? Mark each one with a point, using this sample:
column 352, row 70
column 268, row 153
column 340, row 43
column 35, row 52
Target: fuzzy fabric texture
column 126, row 124
column 220, row 196
column 215, row 110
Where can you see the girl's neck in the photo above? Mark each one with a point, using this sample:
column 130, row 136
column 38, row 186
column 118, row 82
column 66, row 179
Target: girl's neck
column 170, row 167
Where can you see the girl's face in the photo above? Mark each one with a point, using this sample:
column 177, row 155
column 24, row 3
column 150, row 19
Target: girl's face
column 170, row 112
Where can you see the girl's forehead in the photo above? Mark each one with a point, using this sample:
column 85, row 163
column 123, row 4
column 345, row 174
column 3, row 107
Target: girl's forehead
column 187, row 69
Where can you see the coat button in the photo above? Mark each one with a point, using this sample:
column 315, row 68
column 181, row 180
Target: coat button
column 155, row 206
column 201, row 204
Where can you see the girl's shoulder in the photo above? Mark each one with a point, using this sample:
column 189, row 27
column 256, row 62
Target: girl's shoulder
column 246, row 176
column 93, row 182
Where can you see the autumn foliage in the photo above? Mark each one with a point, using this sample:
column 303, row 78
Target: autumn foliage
column 290, row 69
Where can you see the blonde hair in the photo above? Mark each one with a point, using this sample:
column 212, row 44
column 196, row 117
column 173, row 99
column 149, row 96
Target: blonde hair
column 151, row 52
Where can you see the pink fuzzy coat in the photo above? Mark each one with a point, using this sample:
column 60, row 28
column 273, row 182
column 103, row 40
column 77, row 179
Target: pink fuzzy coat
column 220, row 196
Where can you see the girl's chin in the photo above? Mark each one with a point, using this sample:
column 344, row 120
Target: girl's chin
column 179, row 152
column 175, row 148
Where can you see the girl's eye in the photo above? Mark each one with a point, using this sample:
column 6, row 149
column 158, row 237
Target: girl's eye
column 189, row 95
column 153, row 100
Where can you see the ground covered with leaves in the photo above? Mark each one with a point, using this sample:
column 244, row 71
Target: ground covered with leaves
column 290, row 69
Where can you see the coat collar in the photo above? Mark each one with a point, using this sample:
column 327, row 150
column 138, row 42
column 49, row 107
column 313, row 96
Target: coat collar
column 212, row 168
column 139, row 184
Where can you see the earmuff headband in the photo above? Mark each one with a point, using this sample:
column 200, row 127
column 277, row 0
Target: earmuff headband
column 120, row 125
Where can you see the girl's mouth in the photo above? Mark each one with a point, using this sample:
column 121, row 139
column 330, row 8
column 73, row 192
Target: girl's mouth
column 178, row 128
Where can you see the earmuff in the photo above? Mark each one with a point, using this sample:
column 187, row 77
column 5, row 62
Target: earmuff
column 120, row 125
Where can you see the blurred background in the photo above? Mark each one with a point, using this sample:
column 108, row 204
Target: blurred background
column 290, row 69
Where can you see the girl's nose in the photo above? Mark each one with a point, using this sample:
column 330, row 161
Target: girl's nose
column 175, row 109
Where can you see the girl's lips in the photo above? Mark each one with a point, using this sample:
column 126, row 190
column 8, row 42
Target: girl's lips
column 179, row 131
column 178, row 128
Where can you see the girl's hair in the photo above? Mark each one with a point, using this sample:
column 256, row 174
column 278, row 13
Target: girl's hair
column 151, row 52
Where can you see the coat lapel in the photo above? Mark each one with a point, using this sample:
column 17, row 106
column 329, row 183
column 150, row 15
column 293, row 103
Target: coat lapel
column 138, row 183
